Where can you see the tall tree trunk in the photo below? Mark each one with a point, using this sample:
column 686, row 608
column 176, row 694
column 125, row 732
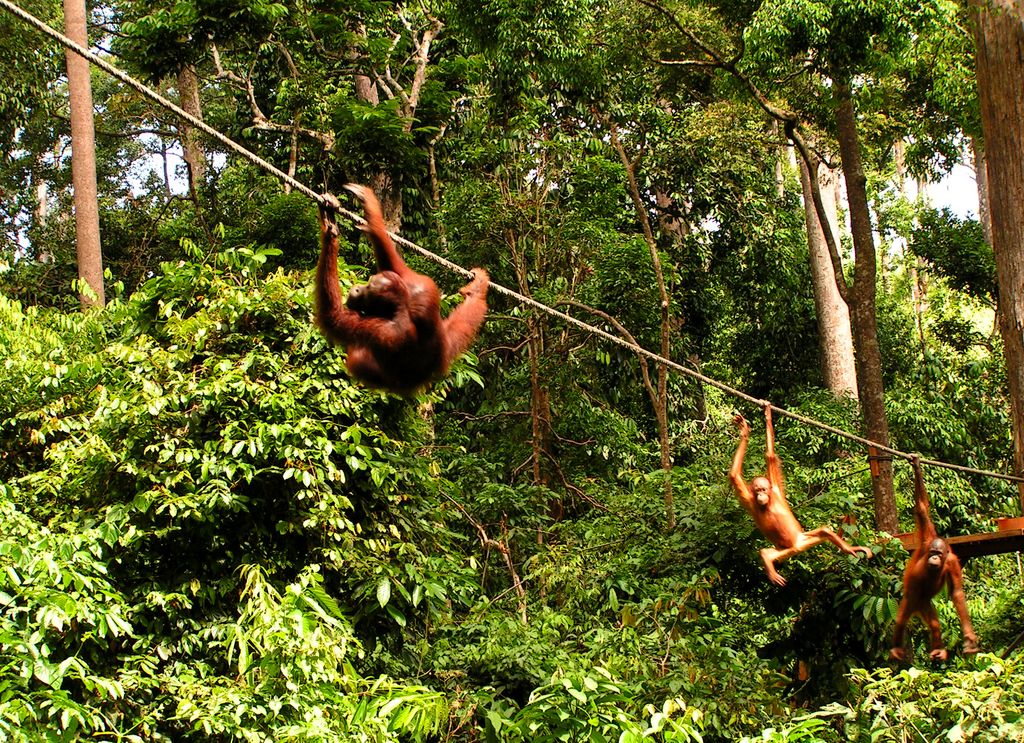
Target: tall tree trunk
column 42, row 210
column 862, row 308
column 981, row 177
column 783, row 152
column 540, row 411
column 42, row 215
column 166, row 168
column 83, row 160
column 540, row 404
column 366, row 92
column 999, row 35
column 195, row 158
column 390, row 198
column 838, row 366
column 660, row 403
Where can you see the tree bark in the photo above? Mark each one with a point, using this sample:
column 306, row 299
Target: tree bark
column 999, row 35
column 981, row 177
column 42, row 211
column 870, row 386
column 391, row 199
column 195, row 158
column 83, row 160
column 780, row 170
column 838, row 365
column 540, row 403
column 661, row 401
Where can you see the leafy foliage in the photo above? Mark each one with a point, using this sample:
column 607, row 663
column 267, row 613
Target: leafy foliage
column 209, row 533
column 201, row 447
column 977, row 704
column 957, row 250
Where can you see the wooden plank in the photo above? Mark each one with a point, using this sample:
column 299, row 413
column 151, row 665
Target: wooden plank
column 976, row 545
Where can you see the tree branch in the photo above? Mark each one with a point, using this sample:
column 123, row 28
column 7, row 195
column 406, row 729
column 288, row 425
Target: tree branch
column 260, row 119
column 502, row 547
column 789, row 119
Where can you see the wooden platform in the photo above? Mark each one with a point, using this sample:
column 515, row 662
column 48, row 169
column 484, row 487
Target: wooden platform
column 967, row 546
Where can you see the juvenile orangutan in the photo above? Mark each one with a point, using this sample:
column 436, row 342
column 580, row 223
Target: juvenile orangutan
column 764, row 498
column 932, row 566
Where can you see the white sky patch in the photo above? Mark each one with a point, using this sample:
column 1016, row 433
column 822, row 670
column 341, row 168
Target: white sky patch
column 958, row 191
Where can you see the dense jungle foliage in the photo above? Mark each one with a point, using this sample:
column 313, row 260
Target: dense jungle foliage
column 208, row 532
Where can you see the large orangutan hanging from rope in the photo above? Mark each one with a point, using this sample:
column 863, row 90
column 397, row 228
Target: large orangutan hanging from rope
column 765, row 500
column 391, row 326
column 932, row 567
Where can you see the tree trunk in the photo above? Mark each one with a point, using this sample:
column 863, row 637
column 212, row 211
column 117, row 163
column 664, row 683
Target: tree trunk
column 540, row 413
column 838, row 366
column 660, row 401
column 999, row 34
column 782, row 149
column 42, row 210
column 540, row 403
column 166, row 169
column 83, row 161
column 390, row 198
column 981, row 177
column 862, row 308
column 380, row 182
column 195, row 158
column 42, row 214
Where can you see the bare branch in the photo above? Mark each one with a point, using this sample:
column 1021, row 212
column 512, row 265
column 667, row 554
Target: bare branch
column 260, row 119
column 501, row 546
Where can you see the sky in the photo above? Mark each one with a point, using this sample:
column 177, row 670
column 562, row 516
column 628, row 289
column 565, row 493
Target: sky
column 958, row 191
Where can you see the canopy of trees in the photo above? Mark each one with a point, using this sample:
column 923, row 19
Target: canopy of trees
column 209, row 532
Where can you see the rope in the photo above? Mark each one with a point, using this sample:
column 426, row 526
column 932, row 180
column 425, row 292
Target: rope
column 529, row 301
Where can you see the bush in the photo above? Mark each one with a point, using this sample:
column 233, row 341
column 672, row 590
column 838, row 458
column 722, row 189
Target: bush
column 982, row 700
column 221, row 491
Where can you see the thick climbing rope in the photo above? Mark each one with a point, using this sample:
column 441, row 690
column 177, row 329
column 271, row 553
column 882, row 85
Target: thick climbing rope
column 874, row 447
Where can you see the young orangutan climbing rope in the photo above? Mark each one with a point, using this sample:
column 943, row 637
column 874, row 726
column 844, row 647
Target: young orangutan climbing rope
column 764, row 498
column 932, row 567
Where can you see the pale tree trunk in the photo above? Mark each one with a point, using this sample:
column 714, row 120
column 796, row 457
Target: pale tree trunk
column 195, row 158
column 919, row 296
column 369, row 91
column 293, row 157
column 366, row 92
column 166, row 167
column 83, row 160
column 981, row 177
column 870, row 386
column 838, row 366
column 999, row 35
column 390, row 199
column 780, row 171
column 42, row 214
column 660, row 400
column 42, row 210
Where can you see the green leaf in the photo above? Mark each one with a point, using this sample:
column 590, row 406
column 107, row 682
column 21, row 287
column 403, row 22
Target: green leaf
column 384, row 591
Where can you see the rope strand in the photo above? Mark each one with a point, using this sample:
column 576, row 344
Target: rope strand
column 529, row 301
